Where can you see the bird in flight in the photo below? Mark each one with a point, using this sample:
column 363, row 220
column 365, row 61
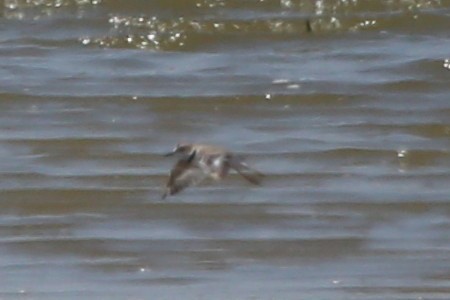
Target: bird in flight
column 198, row 162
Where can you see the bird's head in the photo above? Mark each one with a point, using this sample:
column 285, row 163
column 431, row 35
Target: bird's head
column 181, row 149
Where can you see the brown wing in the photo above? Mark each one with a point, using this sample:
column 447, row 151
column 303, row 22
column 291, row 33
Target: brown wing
column 251, row 175
column 182, row 175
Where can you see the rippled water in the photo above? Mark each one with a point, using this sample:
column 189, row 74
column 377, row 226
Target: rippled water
column 342, row 104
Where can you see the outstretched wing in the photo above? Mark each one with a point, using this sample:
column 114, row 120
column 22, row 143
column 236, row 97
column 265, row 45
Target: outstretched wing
column 251, row 175
column 182, row 175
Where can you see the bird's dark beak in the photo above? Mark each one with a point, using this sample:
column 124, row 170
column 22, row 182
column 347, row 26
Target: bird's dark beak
column 169, row 154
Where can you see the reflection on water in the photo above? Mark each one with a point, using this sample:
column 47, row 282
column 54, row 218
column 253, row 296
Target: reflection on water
column 351, row 129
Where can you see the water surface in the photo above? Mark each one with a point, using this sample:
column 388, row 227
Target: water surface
column 343, row 105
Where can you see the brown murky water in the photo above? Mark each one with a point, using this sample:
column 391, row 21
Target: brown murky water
column 343, row 105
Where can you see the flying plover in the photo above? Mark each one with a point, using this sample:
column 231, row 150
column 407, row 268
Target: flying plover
column 198, row 162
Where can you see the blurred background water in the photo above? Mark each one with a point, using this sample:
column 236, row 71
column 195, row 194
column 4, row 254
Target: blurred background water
column 344, row 105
